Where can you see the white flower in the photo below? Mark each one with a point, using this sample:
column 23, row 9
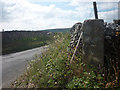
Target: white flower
column 55, row 82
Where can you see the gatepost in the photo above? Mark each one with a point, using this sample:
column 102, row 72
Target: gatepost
column 93, row 42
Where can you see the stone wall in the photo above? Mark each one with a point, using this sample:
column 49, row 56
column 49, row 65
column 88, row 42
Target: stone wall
column 111, row 37
column 75, row 34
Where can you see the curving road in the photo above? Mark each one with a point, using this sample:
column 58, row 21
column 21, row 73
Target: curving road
column 13, row 65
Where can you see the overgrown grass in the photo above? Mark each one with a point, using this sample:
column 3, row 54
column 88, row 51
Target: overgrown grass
column 54, row 70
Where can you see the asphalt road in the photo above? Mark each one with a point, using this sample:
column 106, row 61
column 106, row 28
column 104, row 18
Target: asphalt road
column 13, row 65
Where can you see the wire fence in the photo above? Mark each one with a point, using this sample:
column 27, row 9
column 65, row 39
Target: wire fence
column 108, row 12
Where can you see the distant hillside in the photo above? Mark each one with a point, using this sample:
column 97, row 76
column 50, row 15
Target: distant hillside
column 58, row 30
column 42, row 31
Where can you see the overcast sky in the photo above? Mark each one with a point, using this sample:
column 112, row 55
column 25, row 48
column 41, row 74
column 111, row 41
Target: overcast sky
column 48, row 14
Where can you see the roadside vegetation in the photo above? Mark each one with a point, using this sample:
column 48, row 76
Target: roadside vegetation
column 54, row 70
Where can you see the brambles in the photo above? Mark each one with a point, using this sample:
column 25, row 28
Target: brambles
column 54, row 70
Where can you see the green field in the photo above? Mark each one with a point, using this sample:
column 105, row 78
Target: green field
column 63, row 30
column 25, row 43
column 15, row 41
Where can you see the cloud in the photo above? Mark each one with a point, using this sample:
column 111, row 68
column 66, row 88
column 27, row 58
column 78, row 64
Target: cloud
column 109, row 15
column 106, row 10
column 49, row 0
column 23, row 14
column 107, row 5
column 77, row 2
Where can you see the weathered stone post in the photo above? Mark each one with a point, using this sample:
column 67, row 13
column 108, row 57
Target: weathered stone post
column 93, row 42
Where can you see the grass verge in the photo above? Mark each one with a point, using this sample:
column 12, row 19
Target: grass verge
column 54, row 70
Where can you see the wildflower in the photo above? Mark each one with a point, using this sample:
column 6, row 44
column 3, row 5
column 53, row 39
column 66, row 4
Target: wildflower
column 55, row 82
column 15, row 82
column 28, row 67
column 103, row 74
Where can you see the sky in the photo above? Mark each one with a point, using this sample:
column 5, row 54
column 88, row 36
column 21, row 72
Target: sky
column 50, row 14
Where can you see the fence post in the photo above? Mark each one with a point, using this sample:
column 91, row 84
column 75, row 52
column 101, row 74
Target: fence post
column 119, row 10
column 95, row 10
